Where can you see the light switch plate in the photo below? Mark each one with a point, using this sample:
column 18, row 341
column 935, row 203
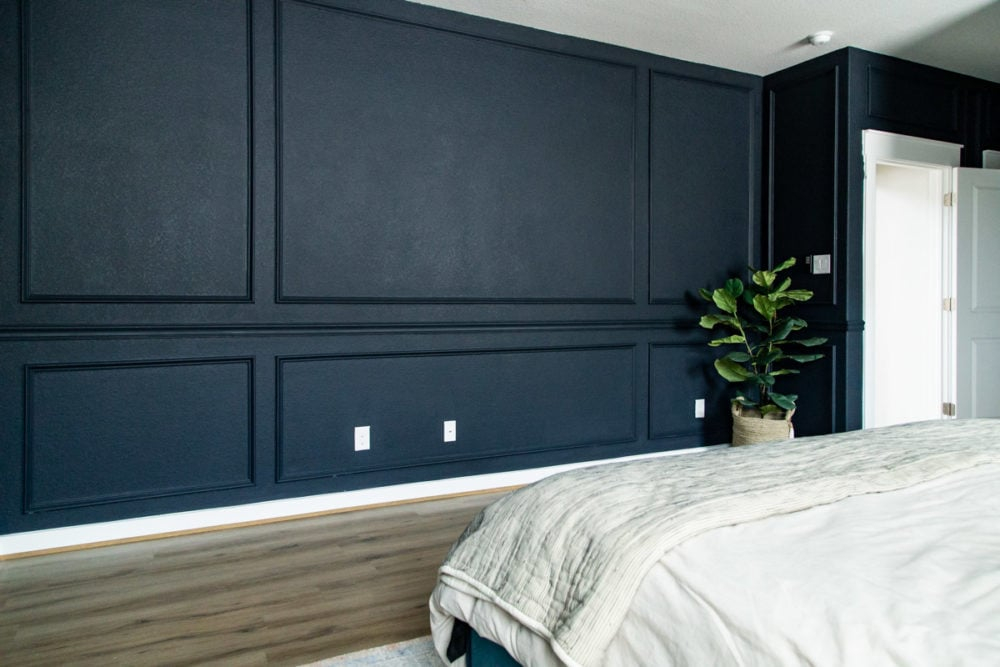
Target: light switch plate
column 821, row 264
column 699, row 408
column 450, row 431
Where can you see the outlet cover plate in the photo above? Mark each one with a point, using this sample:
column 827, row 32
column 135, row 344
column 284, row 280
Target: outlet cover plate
column 362, row 438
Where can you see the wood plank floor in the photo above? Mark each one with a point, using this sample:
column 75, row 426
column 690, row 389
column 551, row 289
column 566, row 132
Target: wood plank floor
column 280, row 594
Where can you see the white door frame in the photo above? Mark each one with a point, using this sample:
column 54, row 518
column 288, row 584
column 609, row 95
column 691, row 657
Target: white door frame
column 887, row 148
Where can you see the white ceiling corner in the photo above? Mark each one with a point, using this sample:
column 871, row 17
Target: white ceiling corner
column 764, row 36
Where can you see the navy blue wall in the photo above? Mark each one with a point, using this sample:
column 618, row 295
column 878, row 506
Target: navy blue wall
column 814, row 179
column 233, row 230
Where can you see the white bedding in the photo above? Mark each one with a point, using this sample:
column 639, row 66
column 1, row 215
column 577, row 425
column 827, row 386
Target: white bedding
column 908, row 577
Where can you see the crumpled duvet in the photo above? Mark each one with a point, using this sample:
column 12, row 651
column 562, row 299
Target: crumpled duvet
column 565, row 557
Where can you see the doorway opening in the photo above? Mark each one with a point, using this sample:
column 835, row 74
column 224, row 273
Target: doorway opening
column 909, row 279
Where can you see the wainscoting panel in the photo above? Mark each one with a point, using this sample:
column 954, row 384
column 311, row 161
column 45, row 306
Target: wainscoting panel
column 815, row 412
column 113, row 432
column 505, row 402
column 233, row 230
column 914, row 99
column 704, row 180
column 989, row 128
column 804, row 127
column 467, row 170
column 136, row 155
column 680, row 374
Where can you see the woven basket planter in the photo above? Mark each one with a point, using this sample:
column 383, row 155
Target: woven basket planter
column 749, row 428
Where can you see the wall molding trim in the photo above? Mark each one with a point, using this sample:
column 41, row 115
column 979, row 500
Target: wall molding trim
column 286, row 294
column 314, row 329
column 41, row 542
column 27, row 295
column 32, row 373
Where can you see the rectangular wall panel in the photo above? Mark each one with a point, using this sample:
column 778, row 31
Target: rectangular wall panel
column 136, row 153
column 702, row 183
column 421, row 165
column 913, row 100
column 990, row 122
column 804, row 132
column 504, row 403
column 680, row 374
column 816, row 387
column 99, row 433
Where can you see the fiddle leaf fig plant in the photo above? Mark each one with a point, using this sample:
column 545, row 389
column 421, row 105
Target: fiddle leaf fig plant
column 750, row 316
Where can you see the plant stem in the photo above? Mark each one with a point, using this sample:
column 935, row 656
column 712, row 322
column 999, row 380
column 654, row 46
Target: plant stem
column 767, row 368
column 746, row 342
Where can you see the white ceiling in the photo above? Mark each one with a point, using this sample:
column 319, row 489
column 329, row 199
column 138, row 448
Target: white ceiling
column 764, row 36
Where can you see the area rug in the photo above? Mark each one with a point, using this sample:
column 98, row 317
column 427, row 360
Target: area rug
column 417, row 652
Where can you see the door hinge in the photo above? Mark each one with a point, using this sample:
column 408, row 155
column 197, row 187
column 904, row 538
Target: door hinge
column 949, row 409
column 949, row 199
column 948, row 304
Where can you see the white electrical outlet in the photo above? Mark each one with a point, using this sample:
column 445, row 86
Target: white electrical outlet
column 699, row 408
column 450, row 431
column 362, row 438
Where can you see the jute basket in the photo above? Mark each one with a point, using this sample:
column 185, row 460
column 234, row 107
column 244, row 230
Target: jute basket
column 749, row 428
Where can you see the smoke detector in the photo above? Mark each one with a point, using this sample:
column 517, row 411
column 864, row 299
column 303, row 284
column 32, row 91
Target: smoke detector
column 820, row 38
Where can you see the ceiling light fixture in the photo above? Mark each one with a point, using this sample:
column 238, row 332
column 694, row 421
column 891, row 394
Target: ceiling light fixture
column 820, row 38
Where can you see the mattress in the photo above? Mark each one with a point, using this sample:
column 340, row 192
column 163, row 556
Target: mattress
column 909, row 576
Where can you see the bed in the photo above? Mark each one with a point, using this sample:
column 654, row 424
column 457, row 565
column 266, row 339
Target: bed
column 874, row 547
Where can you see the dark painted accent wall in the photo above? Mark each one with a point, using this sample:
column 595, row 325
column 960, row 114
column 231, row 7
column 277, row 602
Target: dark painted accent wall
column 814, row 183
column 233, row 230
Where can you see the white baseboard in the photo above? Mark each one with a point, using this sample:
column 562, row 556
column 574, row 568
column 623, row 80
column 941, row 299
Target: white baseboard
column 146, row 527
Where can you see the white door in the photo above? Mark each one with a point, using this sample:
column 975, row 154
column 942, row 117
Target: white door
column 977, row 221
column 908, row 253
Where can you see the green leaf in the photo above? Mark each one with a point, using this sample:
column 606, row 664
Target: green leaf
column 738, row 357
column 798, row 294
column 764, row 278
column 779, row 302
column 768, row 409
column 769, row 356
column 803, row 358
column 797, row 323
column 734, row 286
column 764, row 379
column 742, row 399
column 783, row 401
column 710, row 321
column 783, row 328
column 786, row 371
column 705, row 294
column 808, row 342
column 785, row 284
column 790, row 262
column 731, row 371
column 764, row 306
column 735, row 338
column 724, row 300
